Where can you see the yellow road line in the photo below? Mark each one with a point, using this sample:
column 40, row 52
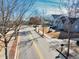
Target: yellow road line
column 37, row 49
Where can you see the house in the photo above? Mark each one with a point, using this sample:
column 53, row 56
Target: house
column 74, row 26
column 54, row 21
column 61, row 23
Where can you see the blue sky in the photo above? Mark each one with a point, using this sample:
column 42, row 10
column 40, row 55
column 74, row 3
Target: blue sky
column 48, row 7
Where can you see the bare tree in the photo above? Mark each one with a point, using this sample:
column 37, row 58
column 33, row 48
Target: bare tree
column 35, row 21
column 11, row 14
column 71, row 7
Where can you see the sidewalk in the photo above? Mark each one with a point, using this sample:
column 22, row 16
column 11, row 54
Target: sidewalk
column 44, row 47
column 52, row 34
column 2, row 56
column 13, row 50
column 58, row 34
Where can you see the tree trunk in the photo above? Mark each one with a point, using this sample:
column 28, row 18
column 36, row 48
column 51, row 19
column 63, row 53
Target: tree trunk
column 6, row 56
column 68, row 50
column 43, row 30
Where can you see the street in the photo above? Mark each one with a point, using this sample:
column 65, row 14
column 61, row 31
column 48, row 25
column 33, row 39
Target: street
column 33, row 46
column 25, row 47
column 44, row 46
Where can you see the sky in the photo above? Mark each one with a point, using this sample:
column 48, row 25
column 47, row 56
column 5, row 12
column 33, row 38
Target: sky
column 41, row 7
column 48, row 7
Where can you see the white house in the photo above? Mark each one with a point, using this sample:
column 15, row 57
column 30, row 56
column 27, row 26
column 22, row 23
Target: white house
column 62, row 23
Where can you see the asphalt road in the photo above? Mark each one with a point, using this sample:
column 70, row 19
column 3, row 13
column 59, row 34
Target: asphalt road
column 25, row 46
column 33, row 46
column 44, row 46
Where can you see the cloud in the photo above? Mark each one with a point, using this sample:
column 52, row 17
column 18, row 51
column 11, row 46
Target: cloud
column 49, row 7
column 56, row 11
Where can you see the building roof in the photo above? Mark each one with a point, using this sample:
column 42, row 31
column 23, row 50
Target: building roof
column 56, row 16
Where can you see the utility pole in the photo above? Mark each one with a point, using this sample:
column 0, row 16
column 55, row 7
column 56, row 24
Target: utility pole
column 6, row 56
column 43, row 23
